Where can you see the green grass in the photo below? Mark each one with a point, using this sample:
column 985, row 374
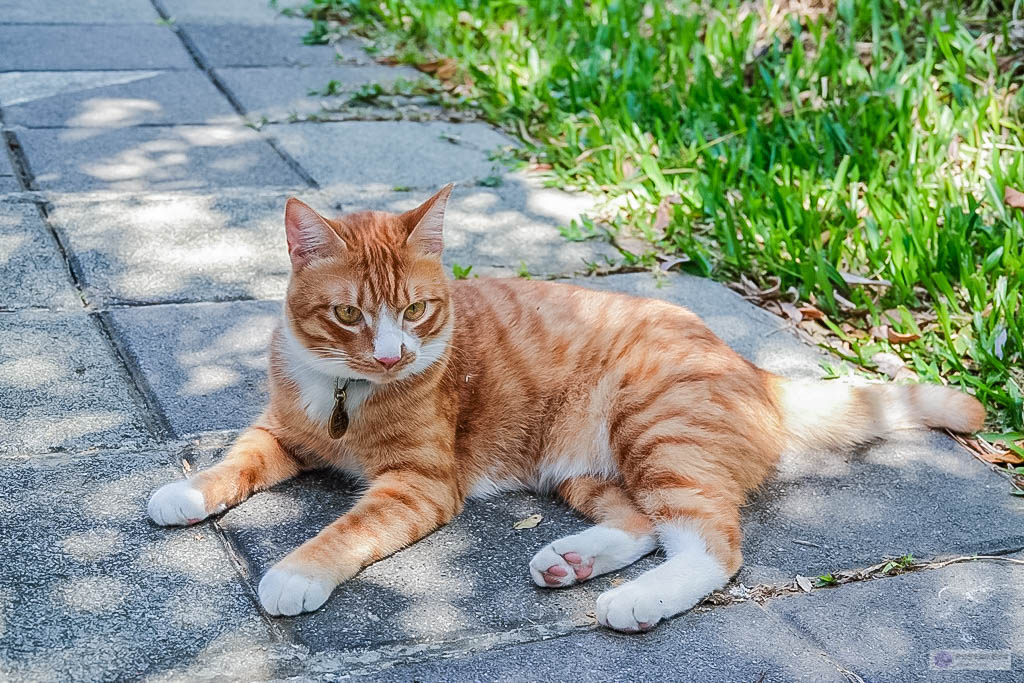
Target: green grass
column 873, row 138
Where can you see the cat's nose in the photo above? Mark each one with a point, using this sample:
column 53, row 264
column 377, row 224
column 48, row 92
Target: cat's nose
column 388, row 361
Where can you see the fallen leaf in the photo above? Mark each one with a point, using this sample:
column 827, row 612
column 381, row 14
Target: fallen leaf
column 443, row 69
column 634, row 245
column 663, row 216
column 1001, row 457
column 186, row 465
column 892, row 365
column 529, row 522
column 851, row 279
column 671, row 263
column 791, row 311
column 811, row 313
column 901, row 338
column 880, row 332
column 804, row 583
column 1013, row 198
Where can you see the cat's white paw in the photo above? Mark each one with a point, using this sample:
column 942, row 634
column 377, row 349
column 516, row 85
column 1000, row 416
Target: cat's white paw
column 631, row 607
column 177, row 504
column 595, row 551
column 287, row 591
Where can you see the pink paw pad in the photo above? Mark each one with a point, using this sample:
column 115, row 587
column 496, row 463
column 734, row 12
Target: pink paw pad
column 553, row 574
column 193, row 520
column 583, row 569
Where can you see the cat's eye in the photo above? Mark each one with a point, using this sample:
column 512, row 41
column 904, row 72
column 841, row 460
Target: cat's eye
column 349, row 315
column 415, row 311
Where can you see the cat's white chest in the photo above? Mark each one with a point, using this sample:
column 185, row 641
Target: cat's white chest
column 317, row 386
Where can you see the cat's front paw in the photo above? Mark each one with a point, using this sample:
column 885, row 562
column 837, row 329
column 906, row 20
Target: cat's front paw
column 287, row 591
column 177, row 504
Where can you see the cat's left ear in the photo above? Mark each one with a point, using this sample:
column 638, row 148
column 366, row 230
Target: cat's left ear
column 426, row 223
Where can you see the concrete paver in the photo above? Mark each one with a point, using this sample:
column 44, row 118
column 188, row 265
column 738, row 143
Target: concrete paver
column 103, row 46
column 90, row 589
column 34, row 274
column 278, row 93
column 62, row 387
column 111, row 99
column 381, row 155
column 153, row 158
column 79, row 12
column 896, row 629
column 224, row 45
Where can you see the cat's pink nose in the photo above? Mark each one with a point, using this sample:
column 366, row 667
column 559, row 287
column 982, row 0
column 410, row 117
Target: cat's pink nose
column 388, row 361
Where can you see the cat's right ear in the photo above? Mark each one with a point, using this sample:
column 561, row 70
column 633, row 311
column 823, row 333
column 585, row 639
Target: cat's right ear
column 309, row 235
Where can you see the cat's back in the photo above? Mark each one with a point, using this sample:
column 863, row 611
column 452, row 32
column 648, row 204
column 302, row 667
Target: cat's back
column 523, row 307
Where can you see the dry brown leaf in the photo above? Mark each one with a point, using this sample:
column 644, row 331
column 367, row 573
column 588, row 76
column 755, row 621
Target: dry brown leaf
column 529, row 522
column 443, row 69
column 1000, row 457
column 1013, row 198
column 901, row 338
column 811, row 313
column 880, row 332
column 804, row 583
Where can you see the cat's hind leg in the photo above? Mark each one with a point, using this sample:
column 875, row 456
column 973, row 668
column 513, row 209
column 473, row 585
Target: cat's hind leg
column 622, row 536
column 256, row 461
column 700, row 532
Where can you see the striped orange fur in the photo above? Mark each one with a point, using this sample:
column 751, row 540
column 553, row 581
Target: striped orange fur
column 631, row 410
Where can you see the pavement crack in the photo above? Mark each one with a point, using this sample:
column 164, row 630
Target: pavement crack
column 370, row 661
column 150, row 409
column 888, row 568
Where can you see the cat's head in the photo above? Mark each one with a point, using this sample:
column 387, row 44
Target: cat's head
column 368, row 297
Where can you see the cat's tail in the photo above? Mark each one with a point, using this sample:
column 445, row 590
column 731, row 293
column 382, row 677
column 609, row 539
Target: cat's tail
column 829, row 414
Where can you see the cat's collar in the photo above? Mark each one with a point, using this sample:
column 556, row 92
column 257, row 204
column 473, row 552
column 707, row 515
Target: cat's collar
column 337, row 425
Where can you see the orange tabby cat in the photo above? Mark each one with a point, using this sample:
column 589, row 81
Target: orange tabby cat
column 433, row 391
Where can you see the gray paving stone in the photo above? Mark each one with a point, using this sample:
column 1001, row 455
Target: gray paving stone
column 194, row 247
column 91, row 590
column 230, row 12
column 177, row 247
column 153, row 158
column 5, row 162
column 111, row 99
column 277, row 93
column 916, row 493
column 78, row 12
column 33, row 274
column 375, row 156
column 277, row 45
column 61, row 388
column 8, row 182
column 28, row 47
column 887, row 630
column 728, row 644
column 205, row 363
